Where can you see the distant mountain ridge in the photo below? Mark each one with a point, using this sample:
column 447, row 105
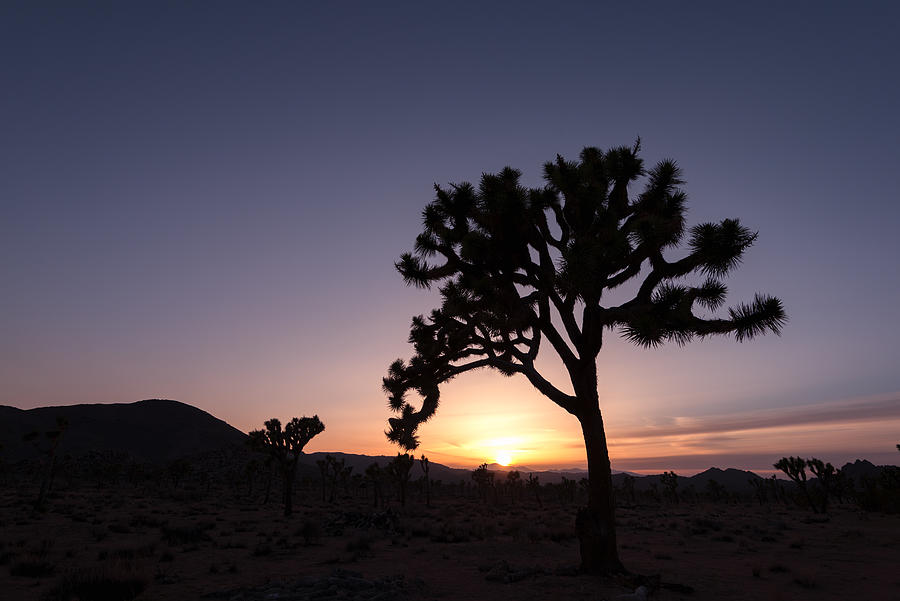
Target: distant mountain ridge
column 153, row 430
column 160, row 430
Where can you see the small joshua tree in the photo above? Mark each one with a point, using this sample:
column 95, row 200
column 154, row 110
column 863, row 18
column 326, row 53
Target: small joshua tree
column 795, row 469
column 332, row 470
column 670, row 484
column 827, row 476
column 373, row 475
column 286, row 447
column 48, row 449
column 399, row 469
column 484, row 479
column 514, row 483
column 427, row 479
column 535, row 485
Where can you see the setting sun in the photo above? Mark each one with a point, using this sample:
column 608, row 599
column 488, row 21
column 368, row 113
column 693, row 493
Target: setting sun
column 504, row 458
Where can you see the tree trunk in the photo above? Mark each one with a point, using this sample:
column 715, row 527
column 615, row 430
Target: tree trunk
column 595, row 523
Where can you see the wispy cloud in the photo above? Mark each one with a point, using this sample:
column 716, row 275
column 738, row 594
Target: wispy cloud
column 866, row 409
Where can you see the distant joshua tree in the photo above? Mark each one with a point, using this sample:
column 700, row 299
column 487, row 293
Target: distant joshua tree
column 333, row 471
column 828, row 478
column 47, row 447
column 514, row 483
column 795, row 469
column 669, row 481
column 427, row 479
column 399, row 468
column 484, row 480
column 534, row 484
column 518, row 266
column 374, row 476
column 286, row 447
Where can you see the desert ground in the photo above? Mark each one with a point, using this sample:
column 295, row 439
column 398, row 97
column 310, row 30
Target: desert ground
column 93, row 543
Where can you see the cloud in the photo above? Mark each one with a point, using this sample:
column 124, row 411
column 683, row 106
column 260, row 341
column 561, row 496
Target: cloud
column 867, row 409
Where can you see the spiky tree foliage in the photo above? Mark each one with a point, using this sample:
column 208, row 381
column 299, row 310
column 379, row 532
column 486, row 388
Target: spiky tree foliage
column 795, row 469
column 521, row 268
column 286, row 447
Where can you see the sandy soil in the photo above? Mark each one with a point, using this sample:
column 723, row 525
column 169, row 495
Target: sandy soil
column 458, row 549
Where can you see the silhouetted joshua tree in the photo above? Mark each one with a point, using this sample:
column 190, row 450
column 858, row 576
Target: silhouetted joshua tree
column 286, row 447
column 517, row 267
column 828, row 478
column 332, row 471
column 534, row 484
column 795, row 469
column 398, row 469
column 374, row 475
column 484, row 480
column 669, row 481
column 47, row 448
column 427, row 480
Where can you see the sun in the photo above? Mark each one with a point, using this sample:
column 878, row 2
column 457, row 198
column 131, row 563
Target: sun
column 504, row 458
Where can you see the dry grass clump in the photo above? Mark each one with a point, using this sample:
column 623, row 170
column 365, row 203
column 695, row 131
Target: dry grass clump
column 109, row 583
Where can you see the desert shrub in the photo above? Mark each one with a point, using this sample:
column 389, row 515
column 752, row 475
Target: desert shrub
column 360, row 545
column 119, row 584
column 184, row 535
column 262, row 550
column 309, row 531
column 31, row 568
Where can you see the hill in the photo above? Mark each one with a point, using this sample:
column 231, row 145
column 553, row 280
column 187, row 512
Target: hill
column 154, row 430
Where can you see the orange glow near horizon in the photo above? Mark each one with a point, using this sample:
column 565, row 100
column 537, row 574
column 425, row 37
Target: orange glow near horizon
column 490, row 419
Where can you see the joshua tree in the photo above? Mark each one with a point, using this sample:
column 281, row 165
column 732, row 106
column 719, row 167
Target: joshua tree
column 827, row 476
column 53, row 438
column 670, row 483
column 373, row 475
column 484, row 480
column 398, row 469
column 332, row 470
column 425, row 467
column 517, row 266
column 534, row 484
column 514, row 483
column 285, row 447
column 795, row 469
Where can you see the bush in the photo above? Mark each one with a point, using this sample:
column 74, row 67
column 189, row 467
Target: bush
column 99, row 585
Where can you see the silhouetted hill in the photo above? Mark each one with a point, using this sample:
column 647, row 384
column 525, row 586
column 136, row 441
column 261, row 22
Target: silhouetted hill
column 732, row 479
column 860, row 469
column 155, row 430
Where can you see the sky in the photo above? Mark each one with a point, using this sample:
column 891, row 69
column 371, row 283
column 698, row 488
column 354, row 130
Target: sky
column 204, row 202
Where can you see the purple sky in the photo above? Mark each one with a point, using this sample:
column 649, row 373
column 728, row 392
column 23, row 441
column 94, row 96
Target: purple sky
column 204, row 201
